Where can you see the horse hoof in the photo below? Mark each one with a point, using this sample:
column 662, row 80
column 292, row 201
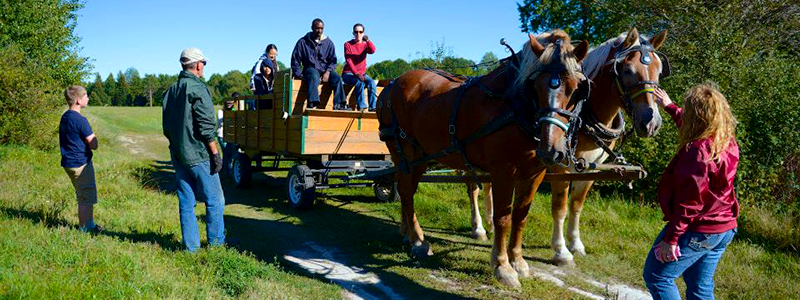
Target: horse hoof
column 563, row 262
column 522, row 268
column 480, row 235
column 506, row 275
column 422, row 250
column 578, row 248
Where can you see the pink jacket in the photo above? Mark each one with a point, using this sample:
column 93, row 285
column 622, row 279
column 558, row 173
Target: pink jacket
column 355, row 56
column 696, row 193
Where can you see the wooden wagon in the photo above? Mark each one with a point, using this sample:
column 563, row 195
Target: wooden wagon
column 270, row 129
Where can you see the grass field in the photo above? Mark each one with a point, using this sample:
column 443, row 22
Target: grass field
column 45, row 256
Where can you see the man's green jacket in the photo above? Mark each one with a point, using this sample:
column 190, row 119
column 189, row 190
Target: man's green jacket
column 188, row 119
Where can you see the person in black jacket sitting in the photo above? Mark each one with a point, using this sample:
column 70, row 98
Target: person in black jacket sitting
column 314, row 60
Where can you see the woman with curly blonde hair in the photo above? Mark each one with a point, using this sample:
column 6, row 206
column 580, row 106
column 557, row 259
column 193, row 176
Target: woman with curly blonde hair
column 697, row 196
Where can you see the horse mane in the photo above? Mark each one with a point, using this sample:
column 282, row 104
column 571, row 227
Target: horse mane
column 596, row 58
column 531, row 65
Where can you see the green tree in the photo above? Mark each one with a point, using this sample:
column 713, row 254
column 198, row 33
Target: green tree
column 97, row 91
column 123, row 90
column 388, row 69
column 488, row 63
column 111, row 90
column 38, row 51
column 44, row 30
column 590, row 20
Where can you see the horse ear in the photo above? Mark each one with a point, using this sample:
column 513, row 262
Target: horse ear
column 631, row 39
column 535, row 45
column 581, row 50
column 658, row 39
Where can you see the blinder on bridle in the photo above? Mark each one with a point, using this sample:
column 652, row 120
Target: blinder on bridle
column 545, row 115
column 644, row 48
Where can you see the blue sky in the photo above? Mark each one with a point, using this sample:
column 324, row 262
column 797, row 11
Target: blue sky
column 149, row 35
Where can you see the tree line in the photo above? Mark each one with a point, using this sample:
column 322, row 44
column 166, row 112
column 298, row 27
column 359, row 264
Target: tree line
column 129, row 88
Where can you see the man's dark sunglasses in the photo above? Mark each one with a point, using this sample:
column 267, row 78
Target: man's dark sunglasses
column 358, row 31
column 315, row 28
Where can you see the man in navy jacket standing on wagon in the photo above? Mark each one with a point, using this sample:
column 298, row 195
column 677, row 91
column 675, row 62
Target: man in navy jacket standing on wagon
column 314, row 60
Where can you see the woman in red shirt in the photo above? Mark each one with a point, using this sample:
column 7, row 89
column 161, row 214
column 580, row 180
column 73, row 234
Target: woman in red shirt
column 697, row 196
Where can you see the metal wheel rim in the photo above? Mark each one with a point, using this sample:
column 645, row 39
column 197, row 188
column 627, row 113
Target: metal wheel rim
column 382, row 191
column 237, row 168
column 295, row 189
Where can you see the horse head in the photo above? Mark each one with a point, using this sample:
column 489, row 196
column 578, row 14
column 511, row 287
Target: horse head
column 637, row 68
column 549, row 73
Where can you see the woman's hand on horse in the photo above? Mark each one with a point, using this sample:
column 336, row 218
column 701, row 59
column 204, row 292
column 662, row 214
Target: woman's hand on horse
column 662, row 98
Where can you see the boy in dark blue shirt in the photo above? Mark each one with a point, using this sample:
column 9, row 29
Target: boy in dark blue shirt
column 77, row 141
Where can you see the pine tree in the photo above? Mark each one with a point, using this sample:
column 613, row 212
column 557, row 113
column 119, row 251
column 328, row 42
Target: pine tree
column 111, row 90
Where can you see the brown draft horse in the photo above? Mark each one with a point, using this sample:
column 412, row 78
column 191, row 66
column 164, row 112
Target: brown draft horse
column 604, row 109
column 629, row 88
column 420, row 103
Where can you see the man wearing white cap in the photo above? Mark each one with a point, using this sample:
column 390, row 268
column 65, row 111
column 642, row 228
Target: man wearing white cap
column 189, row 125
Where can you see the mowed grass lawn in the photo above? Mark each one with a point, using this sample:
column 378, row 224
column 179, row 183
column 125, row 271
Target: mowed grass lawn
column 45, row 256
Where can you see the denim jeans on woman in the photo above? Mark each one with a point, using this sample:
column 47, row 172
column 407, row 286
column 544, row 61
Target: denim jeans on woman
column 700, row 254
column 353, row 80
column 195, row 183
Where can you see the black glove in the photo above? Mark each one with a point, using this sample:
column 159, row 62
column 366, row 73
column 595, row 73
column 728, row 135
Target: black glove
column 216, row 163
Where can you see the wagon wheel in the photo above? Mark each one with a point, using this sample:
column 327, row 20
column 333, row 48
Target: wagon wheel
column 240, row 170
column 300, row 187
column 386, row 190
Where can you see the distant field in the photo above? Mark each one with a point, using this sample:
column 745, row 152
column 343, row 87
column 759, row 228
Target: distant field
column 44, row 256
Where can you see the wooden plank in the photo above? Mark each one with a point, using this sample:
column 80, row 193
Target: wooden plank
column 341, row 113
column 338, row 123
column 377, row 147
column 333, row 136
column 241, row 128
column 252, row 118
column 299, row 96
column 279, row 145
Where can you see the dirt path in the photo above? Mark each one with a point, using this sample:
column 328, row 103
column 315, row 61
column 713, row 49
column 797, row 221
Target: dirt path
column 150, row 146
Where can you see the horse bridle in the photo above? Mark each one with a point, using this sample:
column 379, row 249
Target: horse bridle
column 627, row 94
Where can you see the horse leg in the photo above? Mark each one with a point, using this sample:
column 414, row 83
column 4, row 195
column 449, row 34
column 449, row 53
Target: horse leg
column 478, row 232
column 524, row 191
column 487, row 194
column 502, row 191
column 558, row 208
column 407, row 186
column 580, row 189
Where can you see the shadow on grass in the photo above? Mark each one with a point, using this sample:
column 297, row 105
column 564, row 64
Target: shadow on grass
column 159, row 176
column 165, row 241
column 350, row 238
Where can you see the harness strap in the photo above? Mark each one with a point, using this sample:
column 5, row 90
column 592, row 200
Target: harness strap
column 454, row 142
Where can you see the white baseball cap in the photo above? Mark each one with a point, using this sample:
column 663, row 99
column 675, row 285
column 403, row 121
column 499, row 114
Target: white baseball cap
column 190, row 55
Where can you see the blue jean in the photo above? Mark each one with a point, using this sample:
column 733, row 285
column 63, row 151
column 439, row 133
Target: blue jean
column 351, row 79
column 313, row 77
column 700, row 254
column 196, row 183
